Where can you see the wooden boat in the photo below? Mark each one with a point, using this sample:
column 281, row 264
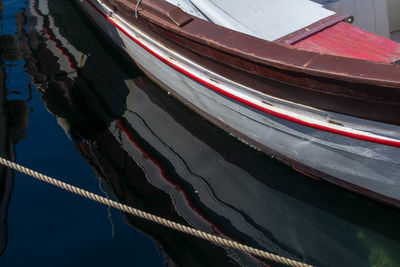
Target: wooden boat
column 143, row 162
column 321, row 96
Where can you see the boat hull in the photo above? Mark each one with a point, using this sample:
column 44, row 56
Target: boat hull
column 371, row 168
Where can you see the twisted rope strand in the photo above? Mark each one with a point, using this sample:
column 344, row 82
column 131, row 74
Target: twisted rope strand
column 153, row 218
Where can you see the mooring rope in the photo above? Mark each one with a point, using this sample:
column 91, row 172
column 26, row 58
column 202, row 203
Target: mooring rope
column 147, row 216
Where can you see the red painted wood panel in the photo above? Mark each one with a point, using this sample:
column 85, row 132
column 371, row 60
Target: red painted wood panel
column 346, row 40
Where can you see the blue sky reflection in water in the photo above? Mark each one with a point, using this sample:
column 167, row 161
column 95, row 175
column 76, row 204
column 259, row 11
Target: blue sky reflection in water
column 97, row 122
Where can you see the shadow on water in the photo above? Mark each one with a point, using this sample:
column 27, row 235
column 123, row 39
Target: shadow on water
column 153, row 153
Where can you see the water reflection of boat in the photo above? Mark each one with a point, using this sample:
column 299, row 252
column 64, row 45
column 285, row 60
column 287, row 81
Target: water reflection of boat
column 311, row 110
column 13, row 121
column 12, row 128
column 5, row 173
column 154, row 154
column 6, row 144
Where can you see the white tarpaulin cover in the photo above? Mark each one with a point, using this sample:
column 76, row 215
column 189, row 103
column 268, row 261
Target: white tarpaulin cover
column 266, row 19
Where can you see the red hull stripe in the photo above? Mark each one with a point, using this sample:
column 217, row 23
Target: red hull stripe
column 393, row 143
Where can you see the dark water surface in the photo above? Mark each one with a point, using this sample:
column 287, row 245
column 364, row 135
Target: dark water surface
column 82, row 113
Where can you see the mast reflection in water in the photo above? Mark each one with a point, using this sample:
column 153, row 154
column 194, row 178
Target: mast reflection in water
column 152, row 153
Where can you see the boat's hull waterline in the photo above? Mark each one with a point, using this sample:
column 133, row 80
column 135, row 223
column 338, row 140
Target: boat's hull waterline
column 359, row 154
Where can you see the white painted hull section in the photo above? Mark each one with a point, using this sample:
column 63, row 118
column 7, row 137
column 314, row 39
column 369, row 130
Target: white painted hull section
column 371, row 166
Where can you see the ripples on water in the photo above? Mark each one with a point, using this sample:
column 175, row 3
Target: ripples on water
column 84, row 114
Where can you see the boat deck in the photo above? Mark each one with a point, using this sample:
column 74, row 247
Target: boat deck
column 348, row 41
